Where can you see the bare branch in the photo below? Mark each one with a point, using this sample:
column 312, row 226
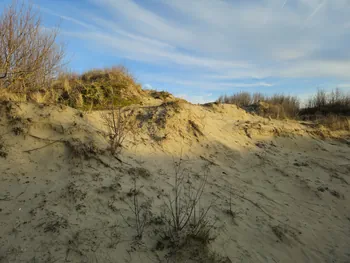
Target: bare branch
column 29, row 55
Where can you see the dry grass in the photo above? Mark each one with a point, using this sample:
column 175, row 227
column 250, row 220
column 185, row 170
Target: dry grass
column 96, row 88
column 329, row 109
column 335, row 122
column 93, row 90
column 277, row 106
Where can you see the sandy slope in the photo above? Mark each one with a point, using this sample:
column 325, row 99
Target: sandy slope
column 288, row 185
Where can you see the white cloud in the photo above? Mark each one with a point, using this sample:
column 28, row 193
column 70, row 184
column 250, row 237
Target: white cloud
column 204, row 84
column 225, row 39
column 143, row 50
column 196, row 99
column 67, row 18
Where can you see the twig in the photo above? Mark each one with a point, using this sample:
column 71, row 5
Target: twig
column 209, row 161
column 255, row 204
column 35, row 149
column 44, row 139
column 22, row 192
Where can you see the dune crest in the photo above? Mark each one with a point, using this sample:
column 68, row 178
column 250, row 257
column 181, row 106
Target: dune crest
column 278, row 189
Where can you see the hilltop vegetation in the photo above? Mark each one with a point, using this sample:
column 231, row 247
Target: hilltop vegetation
column 324, row 103
column 276, row 106
column 330, row 109
column 32, row 69
column 97, row 89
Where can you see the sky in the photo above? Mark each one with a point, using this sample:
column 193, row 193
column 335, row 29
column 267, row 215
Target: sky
column 201, row 49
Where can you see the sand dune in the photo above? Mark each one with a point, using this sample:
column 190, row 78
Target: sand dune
column 279, row 190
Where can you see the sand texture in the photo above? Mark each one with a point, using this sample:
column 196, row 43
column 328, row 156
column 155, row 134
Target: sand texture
column 278, row 191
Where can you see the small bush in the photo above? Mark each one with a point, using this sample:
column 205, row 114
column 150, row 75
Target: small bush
column 184, row 218
column 120, row 123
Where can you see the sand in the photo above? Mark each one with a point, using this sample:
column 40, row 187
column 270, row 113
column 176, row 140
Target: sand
column 278, row 190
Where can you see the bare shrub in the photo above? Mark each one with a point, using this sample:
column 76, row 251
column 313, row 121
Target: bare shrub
column 257, row 97
column 141, row 211
column 29, row 55
column 323, row 103
column 289, row 105
column 184, row 217
column 120, row 123
column 318, row 100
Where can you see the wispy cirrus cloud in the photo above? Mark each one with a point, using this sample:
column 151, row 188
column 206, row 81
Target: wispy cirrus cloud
column 205, row 84
column 315, row 11
column 219, row 45
column 67, row 18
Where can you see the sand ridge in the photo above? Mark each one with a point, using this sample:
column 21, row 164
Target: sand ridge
column 63, row 198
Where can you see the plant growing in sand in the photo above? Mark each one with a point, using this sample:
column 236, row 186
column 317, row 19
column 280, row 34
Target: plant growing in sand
column 140, row 210
column 120, row 122
column 184, row 217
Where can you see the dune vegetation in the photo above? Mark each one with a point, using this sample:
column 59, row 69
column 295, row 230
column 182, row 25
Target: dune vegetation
column 330, row 109
column 93, row 168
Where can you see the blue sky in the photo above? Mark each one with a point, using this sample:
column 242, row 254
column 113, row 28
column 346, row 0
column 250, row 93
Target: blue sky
column 200, row 49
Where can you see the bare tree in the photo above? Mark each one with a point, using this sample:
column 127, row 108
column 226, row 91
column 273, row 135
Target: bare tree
column 29, row 55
